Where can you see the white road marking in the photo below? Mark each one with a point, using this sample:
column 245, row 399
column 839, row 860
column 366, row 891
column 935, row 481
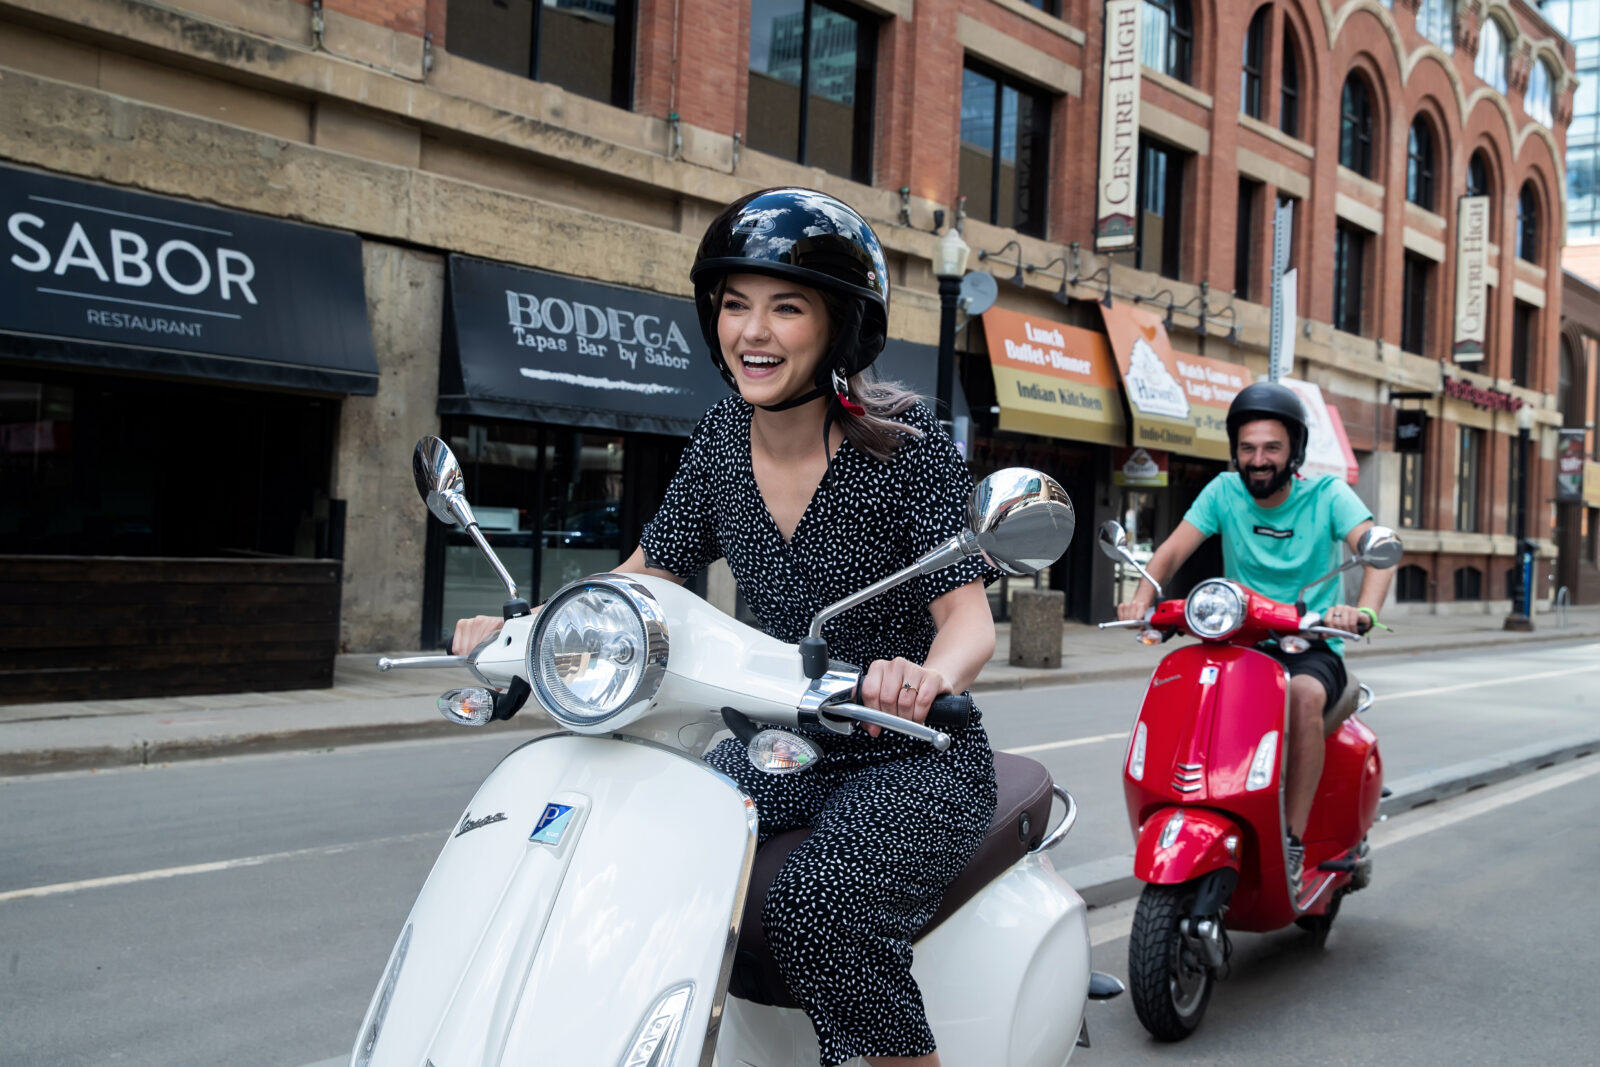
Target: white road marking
column 1073, row 743
column 1508, row 680
column 206, row 868
column 1117, row 926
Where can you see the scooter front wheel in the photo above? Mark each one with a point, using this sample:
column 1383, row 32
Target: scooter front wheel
column 1169, row 982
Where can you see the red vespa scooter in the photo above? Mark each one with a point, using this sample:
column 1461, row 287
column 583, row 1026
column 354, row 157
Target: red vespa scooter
column 1204, row 788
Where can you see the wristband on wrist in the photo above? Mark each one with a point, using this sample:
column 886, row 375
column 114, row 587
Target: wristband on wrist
column 1373, row 617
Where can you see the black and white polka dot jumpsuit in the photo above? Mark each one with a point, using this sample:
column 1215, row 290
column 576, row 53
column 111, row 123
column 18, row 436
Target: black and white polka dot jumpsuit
column 893, row 820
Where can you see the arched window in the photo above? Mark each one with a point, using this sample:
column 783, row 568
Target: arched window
column 1254, row 58
column 1536, row 101
column 1436, row 22
column 1166, row 31
column 1289, row 87
column 1411, row 584
column 1528, row 224
column 1491, row 62
column 1478, row 178
column 1355, row 126
column 1419, row 164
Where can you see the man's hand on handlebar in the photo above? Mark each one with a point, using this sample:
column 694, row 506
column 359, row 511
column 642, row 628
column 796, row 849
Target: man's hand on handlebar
column 901, row 688
column 1345, row 617
column 1133, row 610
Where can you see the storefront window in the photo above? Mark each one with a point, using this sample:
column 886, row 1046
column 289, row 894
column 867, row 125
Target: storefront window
column 1411, row 489
column 104, row 465
column 584, row 46
column 1468, row 457
column 1139, row 520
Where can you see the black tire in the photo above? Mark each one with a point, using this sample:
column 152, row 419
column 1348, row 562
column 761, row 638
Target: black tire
column 1319, row 925
column 1170, row 985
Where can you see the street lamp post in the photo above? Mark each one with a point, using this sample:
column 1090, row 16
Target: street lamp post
column 950, row 264
column 1521, row 617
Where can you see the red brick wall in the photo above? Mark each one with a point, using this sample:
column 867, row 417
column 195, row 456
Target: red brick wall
column 407, row 16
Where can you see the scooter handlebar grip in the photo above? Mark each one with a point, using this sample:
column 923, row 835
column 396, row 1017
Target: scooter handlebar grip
column 951, row 711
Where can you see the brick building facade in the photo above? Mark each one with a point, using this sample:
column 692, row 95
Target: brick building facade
column 420, row 127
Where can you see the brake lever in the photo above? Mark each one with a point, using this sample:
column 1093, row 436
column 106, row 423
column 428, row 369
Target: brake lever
column 871, row 717
column 1329, row 631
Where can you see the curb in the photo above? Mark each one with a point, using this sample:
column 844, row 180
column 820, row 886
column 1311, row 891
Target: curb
column 1048, row 677
column 1109, row 881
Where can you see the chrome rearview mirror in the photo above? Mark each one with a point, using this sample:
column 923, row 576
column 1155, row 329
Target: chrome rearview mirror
column 1379, row 547
column 443, row 487
column 1021, row 519
column 1113, row 540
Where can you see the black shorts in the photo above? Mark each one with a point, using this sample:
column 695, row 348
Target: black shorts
column 1320, row 662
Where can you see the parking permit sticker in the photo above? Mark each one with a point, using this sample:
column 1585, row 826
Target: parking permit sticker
column 552, row 824
column 1208, row 676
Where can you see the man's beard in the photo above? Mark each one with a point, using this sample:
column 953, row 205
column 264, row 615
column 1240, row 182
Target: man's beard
column 1280, row 478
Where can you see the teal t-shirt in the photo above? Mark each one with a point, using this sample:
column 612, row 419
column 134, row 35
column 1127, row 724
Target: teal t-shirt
column 1277, row 550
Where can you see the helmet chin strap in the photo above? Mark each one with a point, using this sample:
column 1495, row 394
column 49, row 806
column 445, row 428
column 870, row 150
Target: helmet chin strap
column 795, row 401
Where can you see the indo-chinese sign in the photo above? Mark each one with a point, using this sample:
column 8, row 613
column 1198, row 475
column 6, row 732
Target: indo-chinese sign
column 1178, row 401
column 1472, row 278
column 1115, row 213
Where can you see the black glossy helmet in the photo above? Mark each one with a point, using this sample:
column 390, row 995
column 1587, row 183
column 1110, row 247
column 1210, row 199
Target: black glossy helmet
column 1269, row 400
column 812, row 238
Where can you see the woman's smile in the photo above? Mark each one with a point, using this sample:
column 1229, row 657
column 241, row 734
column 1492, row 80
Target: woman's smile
column 773, row 333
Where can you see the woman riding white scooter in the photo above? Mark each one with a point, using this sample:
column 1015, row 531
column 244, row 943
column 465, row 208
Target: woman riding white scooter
column 803, row 482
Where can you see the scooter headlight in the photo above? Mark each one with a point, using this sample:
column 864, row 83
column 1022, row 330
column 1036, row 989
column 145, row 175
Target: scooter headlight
column 599, row 648
column 1214, row 609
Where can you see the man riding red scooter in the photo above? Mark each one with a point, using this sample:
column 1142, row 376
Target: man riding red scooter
column 1269, row 679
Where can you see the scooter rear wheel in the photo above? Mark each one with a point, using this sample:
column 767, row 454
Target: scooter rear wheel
column 1169, row 983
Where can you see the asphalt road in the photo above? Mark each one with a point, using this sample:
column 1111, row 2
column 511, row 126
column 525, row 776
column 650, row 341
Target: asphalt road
column 239, row 911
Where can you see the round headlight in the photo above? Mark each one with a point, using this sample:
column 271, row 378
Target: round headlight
column 600, row 647
column 1214, row 609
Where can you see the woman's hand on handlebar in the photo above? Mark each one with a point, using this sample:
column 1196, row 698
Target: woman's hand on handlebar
column 470, row 633
column 902, row 688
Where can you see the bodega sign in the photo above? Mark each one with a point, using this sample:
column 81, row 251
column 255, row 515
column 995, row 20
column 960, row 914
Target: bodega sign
column 552, row 348
column 138, row 282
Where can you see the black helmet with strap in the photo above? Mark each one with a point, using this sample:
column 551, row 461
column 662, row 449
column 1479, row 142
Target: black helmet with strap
column 1269, row 400
column 814, row 239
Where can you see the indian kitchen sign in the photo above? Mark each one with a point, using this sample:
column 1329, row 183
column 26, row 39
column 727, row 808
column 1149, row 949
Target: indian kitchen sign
column 1053, row 379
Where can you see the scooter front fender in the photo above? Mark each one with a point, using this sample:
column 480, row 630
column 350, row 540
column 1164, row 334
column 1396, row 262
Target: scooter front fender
column 1200, row 845
column 591, row 894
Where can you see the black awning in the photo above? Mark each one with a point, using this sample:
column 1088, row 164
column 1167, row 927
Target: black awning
column 526, row 344
column 917, row 367
column 93, row 275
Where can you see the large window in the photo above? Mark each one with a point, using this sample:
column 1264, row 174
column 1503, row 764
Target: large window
column 1528, row 224
column 1166, row 37
column 1490, row 64
column 1246, row 226
column 1513, row 482
column 1469, row 458
column 1355, row 126
column 584, row 46
column 1250, row 77
column 1005, row 134
column 1478, row 176
column 1411, row 489
column 811, row 75
column 1435, row 21
column 1349, row 276
column 1420, row 164
column 1523, row 320
column 1536, row 100
column 1160, row 208
column 1289, row 87
column 1414, row 304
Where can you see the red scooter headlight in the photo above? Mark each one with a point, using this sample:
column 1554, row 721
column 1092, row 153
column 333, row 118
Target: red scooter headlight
column 1215, row 609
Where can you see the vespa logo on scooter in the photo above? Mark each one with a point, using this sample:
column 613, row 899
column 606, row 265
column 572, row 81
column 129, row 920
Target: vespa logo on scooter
column 468, row 823
column 552, row 824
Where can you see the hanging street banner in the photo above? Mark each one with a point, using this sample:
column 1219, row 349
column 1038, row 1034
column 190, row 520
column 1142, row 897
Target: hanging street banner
column 1115, row 219
column 1328, row 448
column 1139, row 468
column 1178, row 401
column 1569, row 466
column 1472, row 278
column 1053, row 379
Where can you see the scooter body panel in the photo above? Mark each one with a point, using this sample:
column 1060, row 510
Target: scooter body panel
column 589, row 877
column 1198, row 846
column 1004, row 981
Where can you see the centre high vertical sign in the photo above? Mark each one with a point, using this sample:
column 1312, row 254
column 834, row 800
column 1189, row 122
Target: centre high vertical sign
column 1115, row 219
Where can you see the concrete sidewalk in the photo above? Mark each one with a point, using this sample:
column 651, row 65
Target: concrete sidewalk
column 364, row 705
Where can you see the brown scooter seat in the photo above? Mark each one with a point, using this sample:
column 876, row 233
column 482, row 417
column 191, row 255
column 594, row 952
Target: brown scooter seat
column 1340, row 710
column 1021, row 814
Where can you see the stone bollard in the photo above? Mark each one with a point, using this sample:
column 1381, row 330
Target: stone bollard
column 1036, row 627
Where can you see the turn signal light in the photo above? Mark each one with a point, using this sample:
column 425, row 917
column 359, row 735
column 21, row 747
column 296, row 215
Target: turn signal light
column 472, row 706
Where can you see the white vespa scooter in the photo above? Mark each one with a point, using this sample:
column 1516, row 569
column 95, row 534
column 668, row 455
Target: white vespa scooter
column 603, row 889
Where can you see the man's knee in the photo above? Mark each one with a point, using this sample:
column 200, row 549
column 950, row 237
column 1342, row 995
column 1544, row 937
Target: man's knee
column 1307, row 698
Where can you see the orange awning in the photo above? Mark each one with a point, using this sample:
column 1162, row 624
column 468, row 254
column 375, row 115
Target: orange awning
column 1053, row 379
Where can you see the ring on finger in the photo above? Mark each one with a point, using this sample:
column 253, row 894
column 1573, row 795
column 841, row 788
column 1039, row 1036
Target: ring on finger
column 907, row 687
